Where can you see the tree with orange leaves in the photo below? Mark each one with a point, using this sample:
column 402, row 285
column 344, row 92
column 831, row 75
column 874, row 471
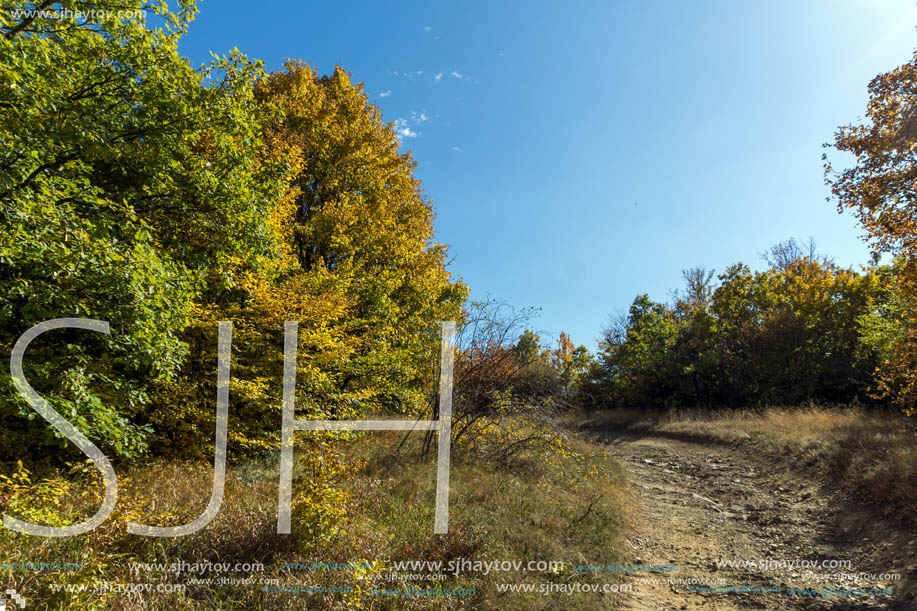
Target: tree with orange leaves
column 881, row 190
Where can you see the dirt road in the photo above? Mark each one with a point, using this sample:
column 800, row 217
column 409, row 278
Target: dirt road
column 698, row 504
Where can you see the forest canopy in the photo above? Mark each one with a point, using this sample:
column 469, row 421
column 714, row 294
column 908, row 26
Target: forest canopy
column 160, row 197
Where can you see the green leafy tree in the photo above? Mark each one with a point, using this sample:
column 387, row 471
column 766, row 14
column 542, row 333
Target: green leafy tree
column 635, row 357
column 129, row 183
column 788, row 334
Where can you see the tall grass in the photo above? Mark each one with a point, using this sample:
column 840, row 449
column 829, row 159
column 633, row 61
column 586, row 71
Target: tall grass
column 566, row 506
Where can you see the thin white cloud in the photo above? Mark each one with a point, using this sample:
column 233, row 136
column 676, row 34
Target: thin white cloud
column 403, row 130
column 438, row 76
column 457, row 75
column 420, row 72
column 427, row 29
column 385, row 94
column 455, row 148
column 419, row 117
column 436, row 38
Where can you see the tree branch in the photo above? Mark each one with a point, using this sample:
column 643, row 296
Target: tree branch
column 32, row 16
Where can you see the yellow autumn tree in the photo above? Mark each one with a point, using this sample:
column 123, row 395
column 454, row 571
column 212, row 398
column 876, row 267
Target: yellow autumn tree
column 350, row 256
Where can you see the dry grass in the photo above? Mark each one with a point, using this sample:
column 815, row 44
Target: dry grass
column 873, row 453
column 559, row 506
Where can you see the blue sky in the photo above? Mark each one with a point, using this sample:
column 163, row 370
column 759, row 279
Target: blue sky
column 578, row 154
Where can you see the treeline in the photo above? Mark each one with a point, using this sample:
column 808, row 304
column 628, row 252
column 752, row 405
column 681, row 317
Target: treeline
column 163, row 198
column 801, row 330
column 804, row 329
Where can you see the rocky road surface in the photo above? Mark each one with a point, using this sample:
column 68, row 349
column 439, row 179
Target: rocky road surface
column 697, row 504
